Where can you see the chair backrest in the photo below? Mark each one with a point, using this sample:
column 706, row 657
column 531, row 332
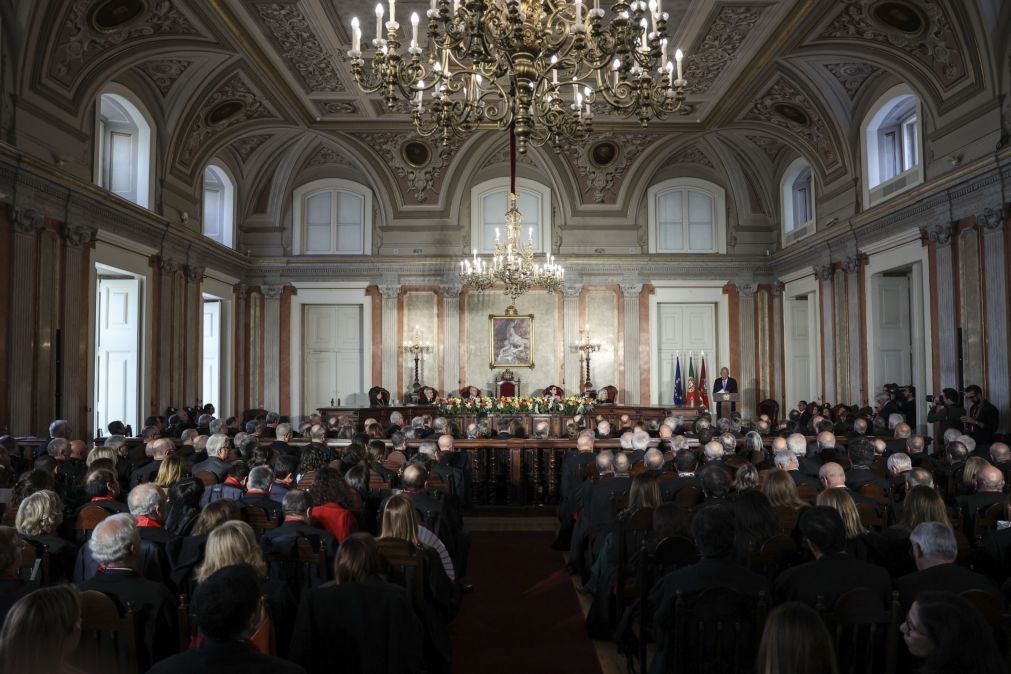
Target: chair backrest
column 769, row 407
column 807, row 493
column 870, row 517
column 557, row 391
column 88, row 518
column 108, row 642
column 313, row 559
column 377, row 482
column 307, row 480
column 249, row 415
column 865, row 631
column 986, row 518
column 400, row 553
column 632, row 529
column 33, row 564
column 395, row 460
column 776, row 554
column 378, row 397
column 873, row 492
column 207, row 477
column 688, row 497
column 717, row 630
column 608, row 394
column 507, row 389
column 786, row 517
column 264, row 639
column 257, row 518
column 674, row 552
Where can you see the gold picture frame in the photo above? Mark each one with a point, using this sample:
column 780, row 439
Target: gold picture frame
column 511, row 340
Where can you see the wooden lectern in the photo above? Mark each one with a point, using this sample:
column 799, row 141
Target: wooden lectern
column 725, row 403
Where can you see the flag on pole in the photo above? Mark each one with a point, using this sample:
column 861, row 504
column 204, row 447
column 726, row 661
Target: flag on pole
column 679, row 393
column 703, row 384
column 690, row 398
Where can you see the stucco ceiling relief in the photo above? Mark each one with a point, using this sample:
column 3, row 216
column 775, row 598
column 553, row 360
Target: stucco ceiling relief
column 852, row 76
column 165, row 72
column 921, row 28
column 418, row 165
column 299, row 46
column 246, row 146
column 721, row 44
column 601, row 166
column 87, row 33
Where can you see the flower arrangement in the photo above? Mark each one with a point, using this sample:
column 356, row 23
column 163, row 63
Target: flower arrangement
column 524, row 405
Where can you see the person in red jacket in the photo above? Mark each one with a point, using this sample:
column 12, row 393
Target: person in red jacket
column 331, row 500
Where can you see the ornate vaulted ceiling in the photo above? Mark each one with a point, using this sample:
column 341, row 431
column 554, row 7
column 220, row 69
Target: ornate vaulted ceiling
column 266, row 85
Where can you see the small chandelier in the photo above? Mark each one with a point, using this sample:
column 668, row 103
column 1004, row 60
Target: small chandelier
column 538, row 66
column 513, row 263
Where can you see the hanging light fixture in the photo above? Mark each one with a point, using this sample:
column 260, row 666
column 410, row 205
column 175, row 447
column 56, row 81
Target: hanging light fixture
column 540, row 67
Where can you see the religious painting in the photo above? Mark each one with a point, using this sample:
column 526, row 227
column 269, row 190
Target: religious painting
column 511, row 340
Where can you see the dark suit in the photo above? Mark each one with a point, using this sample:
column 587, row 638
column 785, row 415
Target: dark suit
column 799, row 478
column 146, row 473
column 831, row 577
column 231, row 656
column 670, row 488
column 293, row 529
column 212, row 465
column 858, row 477
column 988, row 416
column 271, row 508
column 153, row 605
column 359, row 622
column 944, row 577
column 731, row 387
column 971, row 504
column 280, row 447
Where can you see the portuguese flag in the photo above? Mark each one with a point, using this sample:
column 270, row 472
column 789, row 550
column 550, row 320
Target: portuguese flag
column 703, row 384
column 690, row 398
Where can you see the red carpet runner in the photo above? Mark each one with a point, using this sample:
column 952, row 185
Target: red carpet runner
column 523, row 616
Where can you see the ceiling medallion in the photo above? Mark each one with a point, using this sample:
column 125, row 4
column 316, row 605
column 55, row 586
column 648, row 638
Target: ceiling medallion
column 224, row 111
column 604, row 154
column 110, row 16
column 416, row 154
column 899, row 17
column 791, row 113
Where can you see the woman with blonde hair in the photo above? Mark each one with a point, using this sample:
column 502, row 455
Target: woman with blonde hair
column 843, row 502
column 172, row 469
column 746, row 478
column 400, row 521
column 972, row 466
column 781, row 490
column 795, row 640
column 39, row 515
column 922, row 504
column 42, row 629
column 234, row 543
column 99, row 453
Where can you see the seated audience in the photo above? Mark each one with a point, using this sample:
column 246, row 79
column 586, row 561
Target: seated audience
column 331, row 502
column 934, row 551
column 794, row 641
column 258, row 486
column 41, row 631
column 948, row 634
column 173, row 468
column 38, row 518
column 11, row 587
column 228, row 610
column 359, row 617
column 102, row 489
column 183, row 506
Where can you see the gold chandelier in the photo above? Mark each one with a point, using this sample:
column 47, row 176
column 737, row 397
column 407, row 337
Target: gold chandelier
column 541, row 67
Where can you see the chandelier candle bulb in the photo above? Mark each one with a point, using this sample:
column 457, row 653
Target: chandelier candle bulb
column 679, row 56
column 357, row 34
column 414, row 26
column 379, row 22
column 393, row 10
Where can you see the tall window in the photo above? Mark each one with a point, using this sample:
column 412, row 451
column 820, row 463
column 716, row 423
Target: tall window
column 219, row 205
column 687, row 215
column 892, row 136
column 333, row 217
column 488, row 207
column 123, row 148
column 797, row 194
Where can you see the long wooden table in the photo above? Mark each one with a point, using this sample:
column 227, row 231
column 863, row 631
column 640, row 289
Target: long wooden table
column 556, row 422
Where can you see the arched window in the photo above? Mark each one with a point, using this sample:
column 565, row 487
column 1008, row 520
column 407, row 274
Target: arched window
column 893, row 145
column 797, row 194
column 488, row 205
column 332, row 217
column 687, row 215
column 219, row 205
column 123, row 147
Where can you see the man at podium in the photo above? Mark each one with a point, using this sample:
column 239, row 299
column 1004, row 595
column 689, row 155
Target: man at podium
column 725, row 384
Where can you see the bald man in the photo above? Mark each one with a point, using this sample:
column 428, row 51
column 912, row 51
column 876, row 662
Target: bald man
column 157, row 451
column 832, row 476
column 989, row 490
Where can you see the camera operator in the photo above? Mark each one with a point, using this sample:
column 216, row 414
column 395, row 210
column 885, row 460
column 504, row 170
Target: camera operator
column 983, row 418
column 907, row 404
column 947, row 411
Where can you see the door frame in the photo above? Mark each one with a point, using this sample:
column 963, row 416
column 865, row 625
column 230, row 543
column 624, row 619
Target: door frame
column 687, row 292
column 807, row 285
column 328, row 293
column 122, row 256
column 222, row 288
column 911, row 254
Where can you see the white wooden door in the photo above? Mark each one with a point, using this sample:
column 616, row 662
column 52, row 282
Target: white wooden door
column 893, row 337
column 798, row 344
column 211, row 382
column 685, row 329
column 332, row 358
column 117, row 352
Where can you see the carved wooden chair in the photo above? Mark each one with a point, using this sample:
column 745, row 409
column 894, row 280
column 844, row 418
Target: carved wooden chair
column 378, row 397
column 607, row 395
column 553, row 390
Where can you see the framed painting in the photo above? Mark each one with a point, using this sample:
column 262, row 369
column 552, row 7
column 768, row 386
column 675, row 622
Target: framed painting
column 511, row 340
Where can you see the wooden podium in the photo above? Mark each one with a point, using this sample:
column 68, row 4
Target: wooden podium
column 725, row 403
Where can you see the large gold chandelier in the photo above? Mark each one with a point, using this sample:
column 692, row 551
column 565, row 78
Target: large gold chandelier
column 541, row 67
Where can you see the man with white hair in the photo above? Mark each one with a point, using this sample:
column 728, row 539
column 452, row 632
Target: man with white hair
column 58, row 429
column 396, row 423
column 597, row 513
column 218, row 448
column 934, row 551
column 603, row 430
column 653, row 461
column 157, row 451
column 115, row 546
column 639, row 445
column 809, row 465
column 787, row 461
column 713, row 451
column 257, row 495
column 832, row 476
column 147, row 503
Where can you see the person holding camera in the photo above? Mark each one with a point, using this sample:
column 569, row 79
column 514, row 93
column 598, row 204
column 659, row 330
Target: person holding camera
column 947, row 411
column 983, row 418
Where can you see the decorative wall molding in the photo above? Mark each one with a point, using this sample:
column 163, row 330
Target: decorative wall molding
column 25, row 220
column 247, row 145
column 852, row 75
column 194, row 273
column 604, row 182
column 300, row 47
column 77, row 236
column 722, row 43
column 165, row 72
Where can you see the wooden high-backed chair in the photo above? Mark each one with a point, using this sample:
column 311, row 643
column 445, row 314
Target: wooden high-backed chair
column 507, row 385
column 378, row 397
